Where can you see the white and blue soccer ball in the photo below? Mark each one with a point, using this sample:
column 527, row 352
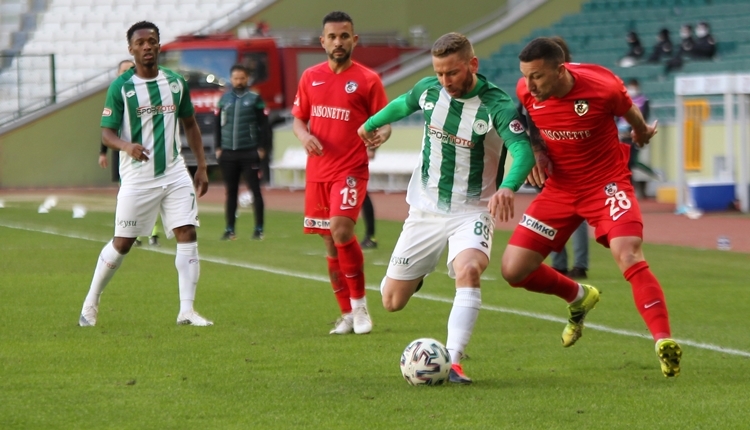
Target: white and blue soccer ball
column 425, row 361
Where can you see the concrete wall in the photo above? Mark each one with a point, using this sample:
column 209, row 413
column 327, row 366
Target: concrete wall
column 59, row 150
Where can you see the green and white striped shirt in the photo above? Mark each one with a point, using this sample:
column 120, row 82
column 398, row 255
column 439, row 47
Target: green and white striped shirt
column 147, row 112
column 461, row 144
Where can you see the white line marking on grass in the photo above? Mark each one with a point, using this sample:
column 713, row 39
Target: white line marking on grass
column 300, row 275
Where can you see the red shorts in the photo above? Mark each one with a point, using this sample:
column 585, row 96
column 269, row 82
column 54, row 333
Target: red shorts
column 552, row 217
column 324, row 200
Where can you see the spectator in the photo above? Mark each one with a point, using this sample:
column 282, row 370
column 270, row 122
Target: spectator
column 635, row 50
column 623, row 127
column 242, row 136
column 686, row 48
column 705, row 44
column 662, row 48
column 263, row 29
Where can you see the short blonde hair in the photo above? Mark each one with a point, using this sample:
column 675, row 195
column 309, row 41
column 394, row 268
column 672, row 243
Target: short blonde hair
column 452, row 43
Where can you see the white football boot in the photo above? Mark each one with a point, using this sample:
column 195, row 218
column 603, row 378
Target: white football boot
column 362, row 321
column 88, row 316
column 343, row 325
column 193, row 318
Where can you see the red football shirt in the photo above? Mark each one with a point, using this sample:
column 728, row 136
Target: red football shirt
column 579, row 128
column 334, row 106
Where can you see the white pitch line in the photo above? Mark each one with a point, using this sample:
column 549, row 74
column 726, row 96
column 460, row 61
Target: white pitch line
column 300, row 275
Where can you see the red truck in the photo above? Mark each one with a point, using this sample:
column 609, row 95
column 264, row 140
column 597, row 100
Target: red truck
column 275, row 69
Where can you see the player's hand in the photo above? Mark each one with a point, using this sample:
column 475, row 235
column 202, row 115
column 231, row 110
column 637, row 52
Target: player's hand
column 502, row 204
column 261, row 153
column 312, row 145
column 138, row 152
column 373, row 139
column 217, row 152
column 539, row 172
column 103, row 161
column 200, row 181
column 643, row 139
column 370, row 153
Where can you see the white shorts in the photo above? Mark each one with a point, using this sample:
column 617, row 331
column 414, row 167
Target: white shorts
column 137, row 208
column 425, row 236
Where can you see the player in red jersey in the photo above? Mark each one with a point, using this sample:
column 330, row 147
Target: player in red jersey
column 333, row 99
column 584, row 170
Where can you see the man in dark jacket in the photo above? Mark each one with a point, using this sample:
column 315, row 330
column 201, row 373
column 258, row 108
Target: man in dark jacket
column 243, row 137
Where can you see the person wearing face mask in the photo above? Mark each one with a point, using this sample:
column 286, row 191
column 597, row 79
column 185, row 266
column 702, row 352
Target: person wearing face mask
column 243, row 140
column 705, row 44
column 635, row 50
column 685, row 51
column 662, row 48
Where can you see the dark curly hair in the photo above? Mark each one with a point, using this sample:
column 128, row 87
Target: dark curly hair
column 140, row 26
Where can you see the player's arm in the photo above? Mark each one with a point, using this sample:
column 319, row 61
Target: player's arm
column 543, row 165
column 394, row 111
column 195, row 142
column 513, row 134
column 641, row 132
column 103, row 156
column 112, row 140
column 309, row 142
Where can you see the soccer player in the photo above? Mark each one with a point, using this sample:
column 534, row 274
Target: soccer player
column 453, row 193
column 333, row 99
column 584, row 170
column 143, row 105
column 153, row 240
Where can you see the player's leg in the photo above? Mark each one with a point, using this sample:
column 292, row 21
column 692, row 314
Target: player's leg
column 180, row 216
column 580, row 252
column 619, row 225
column 547, row 224
column 136, row 210
column 230, row 171
column 422, row 241
column 153, row 240
column 648, row 297
column 345, row 202
column 251, row 165
column 468, row 257
column 317, row 221
column 368, row 216
column 559, row 261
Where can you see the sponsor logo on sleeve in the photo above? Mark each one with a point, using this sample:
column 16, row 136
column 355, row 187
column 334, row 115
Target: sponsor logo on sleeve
column 107, row 112
column 516, row 127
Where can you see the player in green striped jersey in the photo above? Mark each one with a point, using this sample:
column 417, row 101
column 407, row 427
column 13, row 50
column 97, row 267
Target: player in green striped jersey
column 144, row 105
column 453, row 194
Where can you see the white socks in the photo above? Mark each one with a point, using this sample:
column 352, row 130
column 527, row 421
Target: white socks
column 188, row 271
column 358, row 302
column 580, row 294
column 461, row 321
column 108, row 263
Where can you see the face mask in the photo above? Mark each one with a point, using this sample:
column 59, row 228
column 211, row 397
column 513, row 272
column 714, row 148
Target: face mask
column 632, row 91
column 701, row 32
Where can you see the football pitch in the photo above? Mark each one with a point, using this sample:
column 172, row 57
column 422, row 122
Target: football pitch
column 269, row 362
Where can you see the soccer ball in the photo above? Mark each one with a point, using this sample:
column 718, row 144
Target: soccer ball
column 245, row 199
column 425, row 361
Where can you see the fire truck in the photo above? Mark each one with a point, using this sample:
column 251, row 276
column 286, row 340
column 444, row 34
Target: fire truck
column 274, row 67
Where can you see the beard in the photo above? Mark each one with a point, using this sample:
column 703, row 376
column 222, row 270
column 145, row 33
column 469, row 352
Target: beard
column 342, row 59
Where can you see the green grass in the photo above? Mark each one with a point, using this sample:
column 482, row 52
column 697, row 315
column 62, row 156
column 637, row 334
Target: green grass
column 269, row 362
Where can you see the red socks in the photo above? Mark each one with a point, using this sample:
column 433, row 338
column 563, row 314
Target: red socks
column 649, row 299
column 547, row 280
column 340, row 288
column 352, row 263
